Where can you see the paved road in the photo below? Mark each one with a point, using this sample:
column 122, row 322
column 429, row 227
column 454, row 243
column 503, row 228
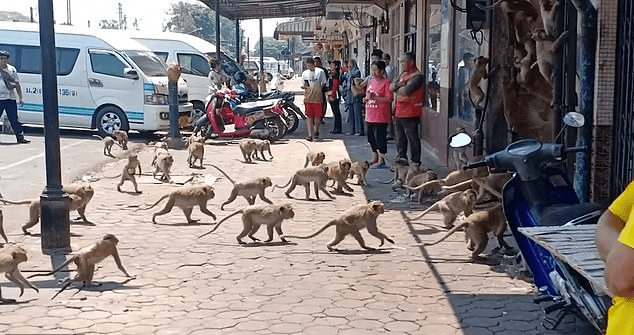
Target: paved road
column 213, row 285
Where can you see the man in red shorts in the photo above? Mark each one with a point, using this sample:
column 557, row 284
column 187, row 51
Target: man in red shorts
column 314, row 79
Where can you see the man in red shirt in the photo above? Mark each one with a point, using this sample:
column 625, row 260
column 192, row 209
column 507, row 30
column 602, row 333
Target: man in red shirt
column 408, row 109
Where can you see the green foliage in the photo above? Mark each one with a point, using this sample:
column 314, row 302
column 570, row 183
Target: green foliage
column 272, row 48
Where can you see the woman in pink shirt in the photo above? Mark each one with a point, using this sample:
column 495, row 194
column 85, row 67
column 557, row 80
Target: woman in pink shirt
column 378, row 97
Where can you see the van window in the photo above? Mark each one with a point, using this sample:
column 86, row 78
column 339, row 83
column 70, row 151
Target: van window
column 194, row 64
column 148, row 62
column 162, row 55
column 28, row 58
column 106, row 63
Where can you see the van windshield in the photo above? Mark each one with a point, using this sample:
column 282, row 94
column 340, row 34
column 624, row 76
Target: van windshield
column 148, row 62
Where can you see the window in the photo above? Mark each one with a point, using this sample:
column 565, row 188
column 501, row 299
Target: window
column 107, row 63
column 147, row 62
column 434, row 54
column 194, row 64
column 410, row 27
column 28, row 59
column 162, row 55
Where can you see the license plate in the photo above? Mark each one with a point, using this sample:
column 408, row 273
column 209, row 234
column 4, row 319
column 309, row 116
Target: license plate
column 183, row 120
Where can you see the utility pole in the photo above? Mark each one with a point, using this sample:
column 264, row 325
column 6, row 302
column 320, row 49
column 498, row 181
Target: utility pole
column 68, row 12
column 120, row 15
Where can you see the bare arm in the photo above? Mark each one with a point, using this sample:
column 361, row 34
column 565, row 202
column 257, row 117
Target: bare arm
column 619, row 272
column 412, row 85
column 608, row 229
column 18, row 88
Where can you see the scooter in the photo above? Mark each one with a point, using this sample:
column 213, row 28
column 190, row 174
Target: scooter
column 227, row 117
column 292, row 113
column 540, row 194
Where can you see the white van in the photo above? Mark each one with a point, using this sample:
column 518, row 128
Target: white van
column 103, row 82
column 191, row 52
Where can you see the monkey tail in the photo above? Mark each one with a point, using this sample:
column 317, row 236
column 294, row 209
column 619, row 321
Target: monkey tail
column 157, row 202
column 432, row 207
column 386, row 182
column 68, row 261
column 21, row 202
column 226, row 175
column 221, row 221
column 278, row 186
column 328, row 225
column 450, row 232
column 304, row 144
column 97, row 135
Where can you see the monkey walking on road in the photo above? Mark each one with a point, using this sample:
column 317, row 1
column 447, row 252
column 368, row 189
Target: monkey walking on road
column 452, row 205
column 187, row 198
column 248, row 189
column 10, row 257
column 313, row 157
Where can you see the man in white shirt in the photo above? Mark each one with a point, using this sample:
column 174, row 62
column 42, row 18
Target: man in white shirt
column 314, row 80
column 9, row 85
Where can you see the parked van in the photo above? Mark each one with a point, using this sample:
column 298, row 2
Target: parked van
column 103, row 82
column 191, row 52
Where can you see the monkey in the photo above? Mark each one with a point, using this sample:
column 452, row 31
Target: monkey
column 195, row 151
column 422, row 178
column 546, row 48
column 480, row 72
column 256, row 215
column 163, row 163
column 313, row 157
column 187, row 198
column 86, row 259
column 316, row 174
column 86, row 192
column 338, row 171
column 452, row 205
column 413, row 171
column 128, row 172
column 160, row 148
column 121, row 137
column 247, row 146
column 477, row 226
column 10, row 257
column 248, row 189
column 399, row 167
column 2, row 233
column 108, row 142
column 458, row 176
column 261, row 145
column 548, row 10
column 194, row 138
column 429, row 187
column 491, row 184
column 78, row 202
column 359, row 169
column 462, row 186
column 351, row 222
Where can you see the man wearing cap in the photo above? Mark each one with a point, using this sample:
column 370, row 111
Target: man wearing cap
column 408, row 108
column 8, row 87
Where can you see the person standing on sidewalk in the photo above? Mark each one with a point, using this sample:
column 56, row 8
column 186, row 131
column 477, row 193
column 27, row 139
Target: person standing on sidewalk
column 615, row 245
column 333, row 94
column 408, row 109
column 9, row 85
column 389, row 74
column 320, row 65
column 354, row 103
column 378, row 98
column 314, row 80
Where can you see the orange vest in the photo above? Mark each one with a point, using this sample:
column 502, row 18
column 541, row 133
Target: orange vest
column 412, row 105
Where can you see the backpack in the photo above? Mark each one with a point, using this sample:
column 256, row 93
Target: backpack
column 8, row 80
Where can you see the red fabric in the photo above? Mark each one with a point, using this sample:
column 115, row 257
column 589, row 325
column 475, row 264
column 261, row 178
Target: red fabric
column 409, row 106
column 377, row 108
column 335, row 88
column 313, row 109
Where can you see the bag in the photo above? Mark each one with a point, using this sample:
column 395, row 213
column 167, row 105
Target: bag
column 357, row 91
column 8, row 80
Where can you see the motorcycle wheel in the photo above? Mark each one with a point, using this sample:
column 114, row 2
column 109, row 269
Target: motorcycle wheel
column 292, row 120
column 276, row 127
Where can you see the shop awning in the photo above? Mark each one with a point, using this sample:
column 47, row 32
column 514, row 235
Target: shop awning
column 267, row 9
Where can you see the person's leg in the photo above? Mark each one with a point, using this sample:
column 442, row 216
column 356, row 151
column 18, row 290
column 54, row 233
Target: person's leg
column 318, row 118
column 381, row 137
column 11, row 108
column 371, row 131
column 358, row 115
column 411, row 132
column 309, row 120
column 334, row 105
column 351, row 118
column 401, row 139
column 362, row 116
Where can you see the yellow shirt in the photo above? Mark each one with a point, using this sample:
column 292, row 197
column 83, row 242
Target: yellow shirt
column 620, row 315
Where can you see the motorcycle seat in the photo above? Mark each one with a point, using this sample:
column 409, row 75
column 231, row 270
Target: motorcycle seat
column 250, row 107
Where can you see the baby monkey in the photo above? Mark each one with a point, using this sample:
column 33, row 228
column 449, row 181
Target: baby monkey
column 10, row 257
column 359, row 169
column 255, row 216
column 128, row 172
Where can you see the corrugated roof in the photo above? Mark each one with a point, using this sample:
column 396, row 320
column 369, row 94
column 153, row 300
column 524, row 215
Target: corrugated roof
column 267, row 9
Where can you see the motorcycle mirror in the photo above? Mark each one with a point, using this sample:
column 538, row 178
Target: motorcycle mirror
column 459, row 140
column 574, row 119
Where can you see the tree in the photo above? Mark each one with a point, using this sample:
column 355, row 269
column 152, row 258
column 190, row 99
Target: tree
column 187, row 17
column 272, row 47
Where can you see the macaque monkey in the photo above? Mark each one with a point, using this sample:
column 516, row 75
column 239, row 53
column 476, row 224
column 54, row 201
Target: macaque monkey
column 248, row 189
column 400, row 167
column 2, row 233
column 429, row 187
column 254, row 216
column 247, row 146
column 463, row 186
column 86, row 259
column 422, row 178
column 128, row 172
column 338, row 171
column 546, row 48
column 261, row 146
column 351, row 222
column 452, row 205
column 477, row 226
column 163, row 164
column 359, row 169
column 160, row 148
column 480, row 72
column 194, row 138
column 78, row 201
column 86, row 192
column 108, row 142
column 187, row 198
column 316, row 174
column 122, row 138
column 412, row 172
column 313, row 157
column 491, row 184
column 548, row 10
column 195, row 151
column 10, row 257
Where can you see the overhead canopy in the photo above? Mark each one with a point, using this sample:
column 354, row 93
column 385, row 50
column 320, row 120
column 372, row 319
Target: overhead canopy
column 268, row 9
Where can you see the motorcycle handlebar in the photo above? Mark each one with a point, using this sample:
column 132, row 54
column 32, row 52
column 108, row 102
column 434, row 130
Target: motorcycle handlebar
column 475, row 165
column 576, row 149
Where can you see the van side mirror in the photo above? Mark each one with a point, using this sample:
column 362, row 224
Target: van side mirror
column 130, row 73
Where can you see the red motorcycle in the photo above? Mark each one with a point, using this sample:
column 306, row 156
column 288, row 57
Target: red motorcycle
column 227, row 117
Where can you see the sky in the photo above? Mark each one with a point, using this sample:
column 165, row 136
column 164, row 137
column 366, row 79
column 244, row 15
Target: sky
column 151, row 14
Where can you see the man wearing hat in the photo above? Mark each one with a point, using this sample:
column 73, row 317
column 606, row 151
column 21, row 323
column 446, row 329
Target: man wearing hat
column 9, row 85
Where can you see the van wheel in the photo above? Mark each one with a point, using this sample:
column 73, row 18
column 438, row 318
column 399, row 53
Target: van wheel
column 110, row 119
